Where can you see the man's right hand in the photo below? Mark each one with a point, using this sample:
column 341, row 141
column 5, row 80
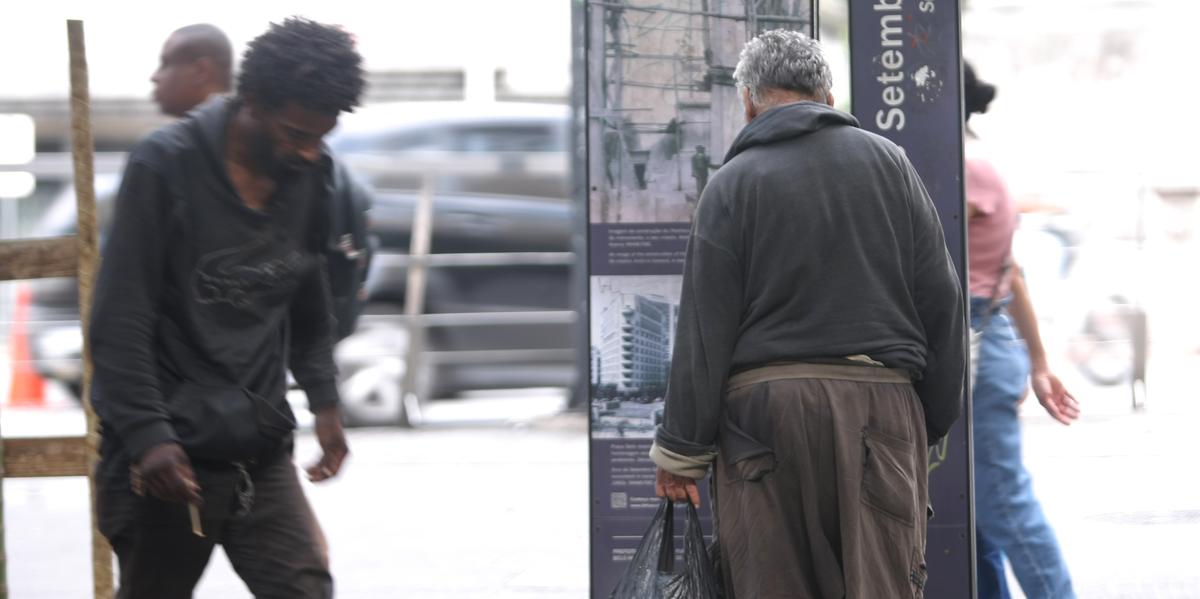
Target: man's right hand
column 675, row 487
column 167, row 474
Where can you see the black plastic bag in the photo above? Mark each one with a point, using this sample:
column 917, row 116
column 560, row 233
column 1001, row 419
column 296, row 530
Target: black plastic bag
column 652, row 575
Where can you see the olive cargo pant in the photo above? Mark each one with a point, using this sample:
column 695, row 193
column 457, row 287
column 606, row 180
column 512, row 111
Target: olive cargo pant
column 822, row 484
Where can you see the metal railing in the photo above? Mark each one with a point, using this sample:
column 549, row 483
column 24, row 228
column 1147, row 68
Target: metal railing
column 418, row 262
column 427, row 168
column 56, row 166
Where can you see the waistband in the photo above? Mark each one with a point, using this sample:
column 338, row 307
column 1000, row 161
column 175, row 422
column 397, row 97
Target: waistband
column 804, row 370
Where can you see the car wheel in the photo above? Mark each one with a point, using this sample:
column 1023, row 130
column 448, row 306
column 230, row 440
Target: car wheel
column 375, row 396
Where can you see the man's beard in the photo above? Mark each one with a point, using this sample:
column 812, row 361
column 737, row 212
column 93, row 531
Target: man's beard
column 276, row 164
column 290, row 165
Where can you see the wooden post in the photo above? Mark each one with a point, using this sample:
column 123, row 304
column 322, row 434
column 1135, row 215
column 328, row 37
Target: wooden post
column 89, row 260
column 3, row 532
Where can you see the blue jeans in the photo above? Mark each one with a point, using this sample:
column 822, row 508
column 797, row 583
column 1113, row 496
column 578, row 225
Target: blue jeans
column 1007, row 515
column 990, row 579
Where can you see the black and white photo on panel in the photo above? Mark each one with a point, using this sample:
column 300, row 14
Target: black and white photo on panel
column 663, row 108
column 632, row 337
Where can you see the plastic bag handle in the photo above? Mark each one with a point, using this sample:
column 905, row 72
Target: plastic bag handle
column 694, row 536
column 666, row 550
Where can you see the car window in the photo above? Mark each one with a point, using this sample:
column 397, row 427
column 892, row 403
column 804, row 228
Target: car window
column 406, row 140
column 471, row 137
column 521, row 137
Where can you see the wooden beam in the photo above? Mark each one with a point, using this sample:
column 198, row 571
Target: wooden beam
column 38, row 258
column 45, row 456
column 88, row 254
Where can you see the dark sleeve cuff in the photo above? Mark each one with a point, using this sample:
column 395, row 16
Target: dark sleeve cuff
column 139, row 439
column 322, row 395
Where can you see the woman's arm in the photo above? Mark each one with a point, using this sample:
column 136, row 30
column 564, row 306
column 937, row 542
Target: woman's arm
column 1051, row 393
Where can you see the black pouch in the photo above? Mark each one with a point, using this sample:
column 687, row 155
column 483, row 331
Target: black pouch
column 228, row 424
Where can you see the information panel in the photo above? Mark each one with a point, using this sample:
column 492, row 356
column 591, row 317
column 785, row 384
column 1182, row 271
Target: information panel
column 905, row 81
column 661, row 111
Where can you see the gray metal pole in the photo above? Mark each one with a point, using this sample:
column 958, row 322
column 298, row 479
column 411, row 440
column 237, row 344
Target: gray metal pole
column 414, row 300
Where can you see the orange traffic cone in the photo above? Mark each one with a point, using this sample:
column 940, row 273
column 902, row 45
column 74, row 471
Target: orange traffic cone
column 27, row 388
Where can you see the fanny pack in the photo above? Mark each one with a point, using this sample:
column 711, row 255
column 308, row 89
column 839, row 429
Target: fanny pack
column 228, row 424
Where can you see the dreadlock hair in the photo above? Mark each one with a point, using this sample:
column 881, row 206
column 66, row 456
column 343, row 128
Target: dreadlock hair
column 302, row 61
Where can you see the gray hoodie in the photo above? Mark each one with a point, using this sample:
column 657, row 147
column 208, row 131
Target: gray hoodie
column 815, row 241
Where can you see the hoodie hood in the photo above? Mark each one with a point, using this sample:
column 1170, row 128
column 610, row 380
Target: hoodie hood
column 209, row 123
column 788, row 122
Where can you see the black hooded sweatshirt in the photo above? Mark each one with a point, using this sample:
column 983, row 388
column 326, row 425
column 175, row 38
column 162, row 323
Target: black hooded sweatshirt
column 815, row 241
column 195, row 286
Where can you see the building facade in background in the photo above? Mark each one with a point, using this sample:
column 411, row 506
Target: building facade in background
column 636, row 341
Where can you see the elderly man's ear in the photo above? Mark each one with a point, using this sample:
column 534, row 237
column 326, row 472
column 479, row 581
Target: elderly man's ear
column 748, row 105
column 752, row 111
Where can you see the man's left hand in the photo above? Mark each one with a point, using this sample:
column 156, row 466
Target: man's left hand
column 676, row 488
column 333, row 445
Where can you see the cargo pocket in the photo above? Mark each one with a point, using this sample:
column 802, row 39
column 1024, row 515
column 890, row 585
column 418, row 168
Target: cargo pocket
column 746, row 458
column 918, row 575
column 753, row 469
column 889, row 483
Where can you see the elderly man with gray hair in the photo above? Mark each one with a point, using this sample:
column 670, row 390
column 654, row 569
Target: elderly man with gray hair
column 820, row 345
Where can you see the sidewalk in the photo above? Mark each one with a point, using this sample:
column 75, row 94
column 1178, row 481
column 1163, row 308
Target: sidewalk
column 469, row 512
column 1120, row 486
column 500, row 509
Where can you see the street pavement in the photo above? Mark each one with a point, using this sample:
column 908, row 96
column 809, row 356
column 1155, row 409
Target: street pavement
column 491, row 501
column 465, row 508
column 1121, row 486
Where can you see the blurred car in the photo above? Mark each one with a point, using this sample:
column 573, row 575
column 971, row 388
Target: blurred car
column 505, row 148
column 515, row 327
column 499, row 323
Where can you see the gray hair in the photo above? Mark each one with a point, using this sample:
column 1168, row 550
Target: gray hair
column 784, row 60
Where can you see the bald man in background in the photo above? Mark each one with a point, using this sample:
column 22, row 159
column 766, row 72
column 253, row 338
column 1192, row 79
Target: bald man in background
column 196, row 62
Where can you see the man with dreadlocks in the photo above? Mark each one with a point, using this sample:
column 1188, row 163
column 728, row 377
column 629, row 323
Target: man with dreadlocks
column 196, row 64
column 211, row 287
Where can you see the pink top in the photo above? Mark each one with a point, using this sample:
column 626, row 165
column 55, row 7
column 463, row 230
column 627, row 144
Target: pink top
column 990, row 231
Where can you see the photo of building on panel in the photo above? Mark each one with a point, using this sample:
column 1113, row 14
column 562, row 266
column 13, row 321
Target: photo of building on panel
column 633, row 332
column 662, row 104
